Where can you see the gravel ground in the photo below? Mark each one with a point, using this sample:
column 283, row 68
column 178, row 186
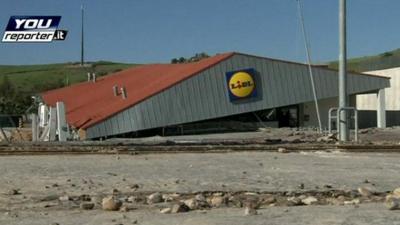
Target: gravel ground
column 320, row 215
column 48, row 177
column 248, row 171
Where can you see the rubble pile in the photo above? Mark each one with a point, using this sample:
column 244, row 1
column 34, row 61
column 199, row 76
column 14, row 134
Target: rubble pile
column 250, row 201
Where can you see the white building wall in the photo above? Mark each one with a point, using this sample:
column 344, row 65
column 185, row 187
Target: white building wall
column 310, row 118
column 392, row 98
column 324, row 106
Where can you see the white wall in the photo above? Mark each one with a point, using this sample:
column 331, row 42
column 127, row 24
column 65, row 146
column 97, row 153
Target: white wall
column 392, row 98
column 324, row 106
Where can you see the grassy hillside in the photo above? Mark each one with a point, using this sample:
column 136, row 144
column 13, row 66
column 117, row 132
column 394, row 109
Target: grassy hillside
column 38, row 78
column 19, row 83
column 368, row 63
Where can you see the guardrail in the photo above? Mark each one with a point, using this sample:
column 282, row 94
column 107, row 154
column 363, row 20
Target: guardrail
column 338, row 111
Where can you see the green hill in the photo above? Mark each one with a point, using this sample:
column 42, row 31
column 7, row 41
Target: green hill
column 38, row 78
column 19, row 83
column 368, row 63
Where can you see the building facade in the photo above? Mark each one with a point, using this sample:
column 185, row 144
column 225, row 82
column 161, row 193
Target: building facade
column 368, row 103
column 226, row 85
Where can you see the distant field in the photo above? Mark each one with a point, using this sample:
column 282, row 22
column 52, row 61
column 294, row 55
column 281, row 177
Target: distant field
column 368, row 63
column 38, row 78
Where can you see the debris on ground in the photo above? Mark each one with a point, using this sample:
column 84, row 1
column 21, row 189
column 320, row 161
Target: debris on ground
column 165, row 210
column 392, row 200
column 248, row 211
column 179, row 208
column 86, row 205
column 217, row 201
column 154, row 198
column 111, row 203
column 309, row 200
column 283, row 150
column 365, row 192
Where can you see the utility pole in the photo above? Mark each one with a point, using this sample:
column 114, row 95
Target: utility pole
column 82, row 39
column 343, row 123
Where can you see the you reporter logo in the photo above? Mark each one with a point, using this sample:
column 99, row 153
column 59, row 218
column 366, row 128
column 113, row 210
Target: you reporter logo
column 33, row 29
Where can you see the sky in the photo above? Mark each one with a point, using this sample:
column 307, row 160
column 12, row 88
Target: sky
column 150, row 31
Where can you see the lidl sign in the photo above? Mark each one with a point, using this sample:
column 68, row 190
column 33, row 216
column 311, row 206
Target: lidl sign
column 241, row 84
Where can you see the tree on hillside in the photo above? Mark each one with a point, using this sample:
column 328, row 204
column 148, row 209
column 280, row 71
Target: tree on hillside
column 12, row 101
column 6, row 87
column 197, row 57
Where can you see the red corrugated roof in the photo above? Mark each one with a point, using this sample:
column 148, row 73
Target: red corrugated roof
column 89, row 103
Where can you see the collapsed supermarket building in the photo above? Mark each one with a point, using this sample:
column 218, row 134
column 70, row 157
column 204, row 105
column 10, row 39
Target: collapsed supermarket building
column 225, row 92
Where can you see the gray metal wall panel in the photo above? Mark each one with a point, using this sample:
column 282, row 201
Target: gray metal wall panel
column 205, row 95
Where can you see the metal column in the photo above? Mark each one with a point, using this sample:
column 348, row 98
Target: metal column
column 343, row 123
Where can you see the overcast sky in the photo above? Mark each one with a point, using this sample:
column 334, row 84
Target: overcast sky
column 145, row 31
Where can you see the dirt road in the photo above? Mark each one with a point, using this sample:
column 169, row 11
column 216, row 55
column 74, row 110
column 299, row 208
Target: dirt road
column 41, row 180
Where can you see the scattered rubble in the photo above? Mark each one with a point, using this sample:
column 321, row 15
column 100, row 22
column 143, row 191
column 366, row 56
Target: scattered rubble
column 124, row 209
column 170, row 197
column 86, row 205
column 14, row 192
column 193, row 204
column 294, row 201
column 179, row 208
column 283, row 150
column 217, row 201
column 64, row 198
column 165, row 210
column 392, row 200
column 352, row 202
column 365, row 192
column 392, row 203
column 200, row 197
column 131, row 199
column 268, row 200
column 396, row 192
column 330, row 138
column 248, row 211
column 309, row 200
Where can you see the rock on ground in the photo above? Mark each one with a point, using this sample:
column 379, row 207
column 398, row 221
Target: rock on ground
column 86, row 205
column 155, row 198
column 248, row 211
column 392, row 203
column 396, row 192
column 217, row 201
column 179, row 208
column 193, row 204
column 309, row 200
column 365, row 192
column 111, row 203
column 283, row 150
column 165, row 210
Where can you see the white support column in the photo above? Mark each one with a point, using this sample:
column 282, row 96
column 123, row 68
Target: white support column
column 52, row 124
column 381, row 109
column 62, row 129
column 34, row 127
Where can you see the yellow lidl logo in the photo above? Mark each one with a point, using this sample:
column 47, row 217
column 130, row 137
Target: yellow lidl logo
column 241, row 84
